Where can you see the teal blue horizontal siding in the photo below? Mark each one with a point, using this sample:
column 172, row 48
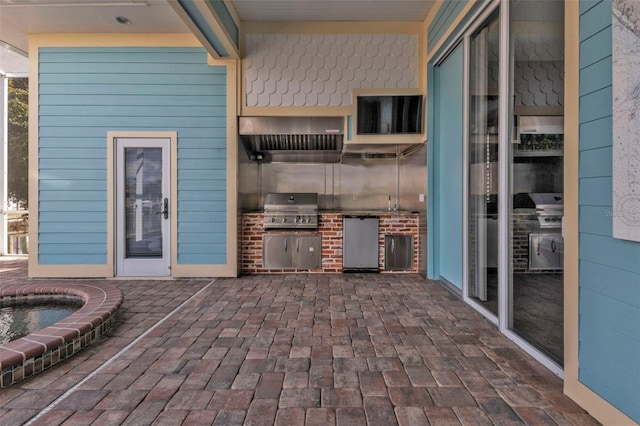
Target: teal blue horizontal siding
column 199, row 185
column 71, row 249
column 591, row 164
column 618, row 382
column 197, row 195
column 71, row 175
column 596, row 76
column 612, row 313
column 125, row 109
column 164, row 55
column 184, row 91
column 618, row 289
column 89, row 132
column 67, row 259
column 76, row 143
column 177, row 101
column 203, row 205
column 133, row 122
column 86, row 92
column 88, row 238
column 69, row 185
column 619, row 254
column 597, row 219
column 595, row 48
column 596, row 105
column 199, row 175
column 72, row 195
column 197, row 259
column 71, row 163
column 77, row 206
column 596, row 134
column 595, row 191
column 199, row 217
column 202, row 249
column 136, row 78
column 595, row 19
column 216, row 144
column 609, row 271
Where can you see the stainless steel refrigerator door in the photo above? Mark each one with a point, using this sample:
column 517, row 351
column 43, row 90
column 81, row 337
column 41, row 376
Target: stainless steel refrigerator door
column 360, row 243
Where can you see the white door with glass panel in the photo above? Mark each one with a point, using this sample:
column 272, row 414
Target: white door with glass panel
column 142, row 207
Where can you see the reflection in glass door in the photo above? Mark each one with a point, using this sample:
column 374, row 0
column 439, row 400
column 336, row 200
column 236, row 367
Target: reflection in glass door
column 536, row 175
column 482, row 203
column 142, row 198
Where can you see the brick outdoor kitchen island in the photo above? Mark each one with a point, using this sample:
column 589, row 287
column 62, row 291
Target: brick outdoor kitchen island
column 330, row 231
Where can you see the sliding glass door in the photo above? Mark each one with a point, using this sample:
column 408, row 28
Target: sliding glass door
column 513, row 243
column 483, row 165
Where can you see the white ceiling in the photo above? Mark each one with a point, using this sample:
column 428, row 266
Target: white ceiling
column 333, row 10
column 18, row 18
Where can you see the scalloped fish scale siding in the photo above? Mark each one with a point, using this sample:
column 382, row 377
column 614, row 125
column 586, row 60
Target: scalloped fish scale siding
column 322, row 69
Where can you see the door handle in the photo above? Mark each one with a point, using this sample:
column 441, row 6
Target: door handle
column 285, row 245
column 165, row 205
column 393, row 245
column 553, row 245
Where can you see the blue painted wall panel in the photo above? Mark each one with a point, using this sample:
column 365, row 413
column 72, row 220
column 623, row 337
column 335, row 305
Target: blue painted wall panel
column 227, row 20
column 609, row 274
column 86, row 92
column 192, row 10
column 447, row 165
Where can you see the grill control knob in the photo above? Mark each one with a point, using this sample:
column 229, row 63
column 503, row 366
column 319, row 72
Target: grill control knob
column 273, row 219
column 284, row 220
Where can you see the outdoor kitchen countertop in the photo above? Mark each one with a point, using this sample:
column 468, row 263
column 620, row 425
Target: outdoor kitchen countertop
column 372, row 213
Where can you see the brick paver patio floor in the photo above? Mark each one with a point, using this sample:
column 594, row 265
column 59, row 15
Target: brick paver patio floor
column 299, row 349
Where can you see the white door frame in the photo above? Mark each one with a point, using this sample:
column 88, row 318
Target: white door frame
column 160, row 266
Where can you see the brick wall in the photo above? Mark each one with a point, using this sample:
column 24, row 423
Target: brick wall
column 330, row 229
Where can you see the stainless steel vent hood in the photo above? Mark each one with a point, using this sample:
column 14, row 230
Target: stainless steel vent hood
column 540, row 124
column 292, row 139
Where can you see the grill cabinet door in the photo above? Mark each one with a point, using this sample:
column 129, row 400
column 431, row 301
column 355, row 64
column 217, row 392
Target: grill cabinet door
column 276, row 251
column 546, row 251
column 306, row 251
column 398, row 252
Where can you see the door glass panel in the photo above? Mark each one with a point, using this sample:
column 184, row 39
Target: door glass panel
column 143, row 202
column 537, row 40
column 483, row 165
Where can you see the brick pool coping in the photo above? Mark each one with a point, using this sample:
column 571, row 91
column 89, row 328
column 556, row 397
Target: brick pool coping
column 34, row 353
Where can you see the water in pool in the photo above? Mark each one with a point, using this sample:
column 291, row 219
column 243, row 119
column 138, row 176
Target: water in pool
column 18, row 320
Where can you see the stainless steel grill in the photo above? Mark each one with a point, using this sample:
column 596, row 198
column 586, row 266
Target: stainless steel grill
column 291, row 210
column 549, row 209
